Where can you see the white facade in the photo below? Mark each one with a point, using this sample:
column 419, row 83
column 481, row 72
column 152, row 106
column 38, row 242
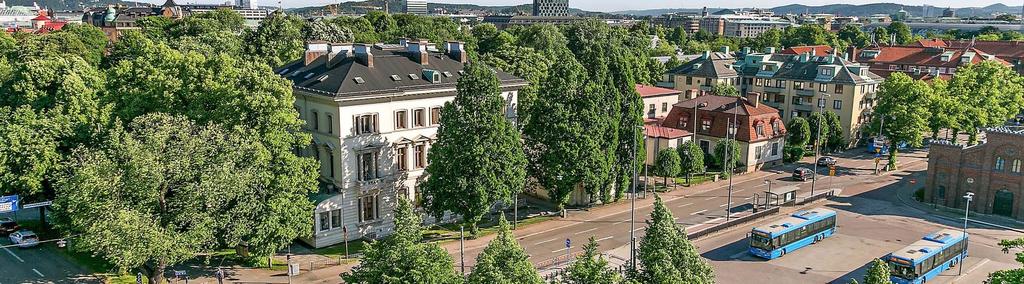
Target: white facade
column 368, row 170
column 418, row 7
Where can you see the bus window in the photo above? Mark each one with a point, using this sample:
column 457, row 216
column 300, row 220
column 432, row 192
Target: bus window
column 901, row 271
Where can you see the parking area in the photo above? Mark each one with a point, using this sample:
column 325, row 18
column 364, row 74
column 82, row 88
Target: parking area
column 871, row 230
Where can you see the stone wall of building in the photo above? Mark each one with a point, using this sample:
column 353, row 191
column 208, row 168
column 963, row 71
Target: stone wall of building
column 991, row 170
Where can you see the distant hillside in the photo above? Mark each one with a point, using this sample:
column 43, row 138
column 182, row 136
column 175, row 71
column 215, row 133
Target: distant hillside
column 397, row 6
column 889, row 8
column 852, row 10
column 64, row 5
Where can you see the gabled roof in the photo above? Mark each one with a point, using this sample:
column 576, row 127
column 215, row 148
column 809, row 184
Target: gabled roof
column 817, row 50
column 715, row 65
column 390, row 74
column 651, row 91
column 793, row 69
column 658, row 131
column 728, row 105
column 924, row 56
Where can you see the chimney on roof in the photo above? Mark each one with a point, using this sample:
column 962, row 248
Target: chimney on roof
column 364, row 55
column 404, row 42
column 457, row 51
column 769, row 50
column 339, row 51
column 418, row 51
column 851, row 53
column 725, row 49
column 706, row 54
column 314, row 50
column 754, row 98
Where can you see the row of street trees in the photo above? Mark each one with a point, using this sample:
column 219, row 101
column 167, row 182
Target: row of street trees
column 664, row 256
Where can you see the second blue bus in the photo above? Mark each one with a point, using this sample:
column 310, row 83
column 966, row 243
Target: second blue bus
column 925, row 259
column 791, row 233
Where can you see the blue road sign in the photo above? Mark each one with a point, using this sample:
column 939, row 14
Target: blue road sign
column 568, row 243
column 8, row 203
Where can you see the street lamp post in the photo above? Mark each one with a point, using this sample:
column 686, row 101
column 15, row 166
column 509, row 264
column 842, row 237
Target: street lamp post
column 817, row 139
column 632, row 208
column 967, row 209
column 768, row 197
column 732, row 170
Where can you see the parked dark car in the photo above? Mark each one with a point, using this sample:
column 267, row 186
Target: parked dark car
column 8, row 225
column 827, row 161
column 803, row 174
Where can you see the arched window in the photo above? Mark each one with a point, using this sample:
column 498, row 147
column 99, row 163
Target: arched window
column 1000, row 164
column 1016, row 166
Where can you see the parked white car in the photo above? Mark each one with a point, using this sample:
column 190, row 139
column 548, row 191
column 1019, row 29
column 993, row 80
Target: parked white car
column 24, row 238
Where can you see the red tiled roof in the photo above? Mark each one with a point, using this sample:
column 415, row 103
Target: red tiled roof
column 651, row 91
column 657, row 131
column 922, row 56
column 930, row 43
column 818, row 49
column 720, row 110
column 1003, row 49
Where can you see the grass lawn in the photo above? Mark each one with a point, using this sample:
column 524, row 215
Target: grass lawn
column 338, row 251
column 452, row 230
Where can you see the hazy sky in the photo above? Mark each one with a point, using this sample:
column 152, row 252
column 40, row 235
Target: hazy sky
column 619, row 5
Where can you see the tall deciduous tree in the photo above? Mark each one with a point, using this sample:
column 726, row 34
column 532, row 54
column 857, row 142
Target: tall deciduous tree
column 401, row 258
column 727, row 148
column 853, row 35
column 559, row 137
column 478, row 158
column 666, row 255
column 667, row 164
column 28, row 154
column 906, row 102
column 835, row 141
column 161, row 192
column 799, row 132
column 278, row 39
column 692, row 159
column 819, row 129
column 725, row 90
column 504, row 261
column 590, row 268
column 878, row 273
column 991, row 92
column 902, row 32
column 947, row 111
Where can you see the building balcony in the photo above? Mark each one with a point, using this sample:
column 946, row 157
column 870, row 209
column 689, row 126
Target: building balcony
column 773, row 89
column 706, row 88
column 803, row 107
column 806, row 93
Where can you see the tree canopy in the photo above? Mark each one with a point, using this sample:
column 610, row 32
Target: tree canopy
column 666, row 255
column 503, row 261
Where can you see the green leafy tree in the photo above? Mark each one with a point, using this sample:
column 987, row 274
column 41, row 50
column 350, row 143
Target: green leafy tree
column 881, row 35
column 799, row 132
column 382, row 22
column 902, row 32
column 162, row 192
column 526, row 63
column 590, row 268
column 769, row 38
column 1008, row 276
column 28, row 156
column 878, row 273
column 673, row 62
column 362, row 30
column 817, row 122
column 853, row 35
column 277, row 40
column 725, row 90
column 991, row 93
column 692, row 159
column 835, row 141
column 667, row 164
column 727, row 148
column 907, row 100
column 666, row 255
column 947, row 111
column 559, row 135
column 401, row 258
column 504, row 261
column 325, row 31
column 812, row 34
column 478, row 157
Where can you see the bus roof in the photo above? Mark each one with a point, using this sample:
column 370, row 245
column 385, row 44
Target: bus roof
column 798, row 219
column 929, row 245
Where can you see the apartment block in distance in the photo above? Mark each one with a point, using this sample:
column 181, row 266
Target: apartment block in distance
column 795, row 84
column 373, row 112
column 418, row 7
column 551, row 8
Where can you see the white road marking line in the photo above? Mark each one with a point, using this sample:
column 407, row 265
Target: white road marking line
column 620, row 222
column 37, row 272
column 723, row 205
column 975, row 267
column 684, row 205
column 698, row 212
column 551, row 240
column 601, row 239
column 737, row 255
column 584, row 231
column 561, row 249
column 14, row 255
column 637, row 229
column 710, row 198
column 749, row 198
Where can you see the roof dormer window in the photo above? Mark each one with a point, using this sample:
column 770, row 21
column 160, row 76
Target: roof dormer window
column 396, row 78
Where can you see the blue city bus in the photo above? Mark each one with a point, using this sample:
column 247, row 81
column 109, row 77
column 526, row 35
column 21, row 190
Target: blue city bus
column 791, row 233
column 926, row 258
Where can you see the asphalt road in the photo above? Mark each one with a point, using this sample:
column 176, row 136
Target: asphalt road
column 40, row 264
column 704, row 204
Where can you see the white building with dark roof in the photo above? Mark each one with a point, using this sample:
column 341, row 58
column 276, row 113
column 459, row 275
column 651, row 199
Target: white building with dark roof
column 374, row 111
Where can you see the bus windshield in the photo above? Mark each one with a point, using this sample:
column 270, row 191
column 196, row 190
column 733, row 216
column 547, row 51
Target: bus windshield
column 901, row 271
column 760, row 241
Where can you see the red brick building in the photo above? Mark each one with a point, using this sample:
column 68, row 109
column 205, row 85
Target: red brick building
column 992, row 170
column 761, row 132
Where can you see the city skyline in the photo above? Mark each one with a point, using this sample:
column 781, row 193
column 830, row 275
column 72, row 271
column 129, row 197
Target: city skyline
column 614, row 6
